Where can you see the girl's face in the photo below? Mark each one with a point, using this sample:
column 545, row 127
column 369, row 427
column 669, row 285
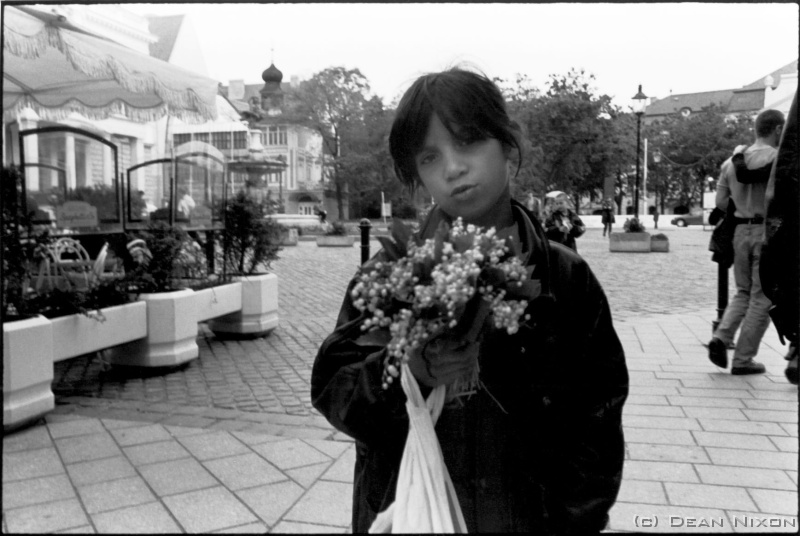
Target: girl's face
column 467, row 178
column 562, row 205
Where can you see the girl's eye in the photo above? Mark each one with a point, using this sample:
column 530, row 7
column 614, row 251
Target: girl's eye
column 425, row 159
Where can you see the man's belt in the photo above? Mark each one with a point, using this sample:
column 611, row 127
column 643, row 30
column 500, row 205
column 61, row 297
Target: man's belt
column 758, row 219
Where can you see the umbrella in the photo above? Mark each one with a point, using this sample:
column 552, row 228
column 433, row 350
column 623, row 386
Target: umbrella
column 56, row 69
column 554, row 193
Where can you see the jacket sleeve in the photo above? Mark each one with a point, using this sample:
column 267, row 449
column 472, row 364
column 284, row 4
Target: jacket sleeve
column 346, row 384
column 584, row 437
column 578, row 228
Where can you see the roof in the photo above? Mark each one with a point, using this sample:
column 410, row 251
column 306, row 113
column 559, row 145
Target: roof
column 166, row 29
column 776, row 75
column 253, row 90
column 693, row 101
column 746, row 100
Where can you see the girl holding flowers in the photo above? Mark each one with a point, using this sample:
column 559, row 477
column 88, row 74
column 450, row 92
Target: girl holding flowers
column 534, row 441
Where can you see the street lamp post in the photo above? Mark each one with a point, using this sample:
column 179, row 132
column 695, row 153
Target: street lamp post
column 639, row 104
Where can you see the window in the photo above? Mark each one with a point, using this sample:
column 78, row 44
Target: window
column 276, row 136
column 201, row 136
column 221, row 140
column 179, row 139
column 240, row 140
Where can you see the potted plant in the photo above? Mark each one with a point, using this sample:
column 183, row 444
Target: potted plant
column 336, row 236
column 633, row 239
column 162, row 265
column 659, row 242
column 250, row 243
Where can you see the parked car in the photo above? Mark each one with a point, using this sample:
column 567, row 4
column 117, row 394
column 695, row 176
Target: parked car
column 687, row 219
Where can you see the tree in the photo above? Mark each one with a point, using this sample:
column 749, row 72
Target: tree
column 333, row 102
column 692, row 149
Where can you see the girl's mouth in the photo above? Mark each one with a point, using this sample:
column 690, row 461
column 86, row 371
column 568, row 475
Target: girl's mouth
column 462, row 191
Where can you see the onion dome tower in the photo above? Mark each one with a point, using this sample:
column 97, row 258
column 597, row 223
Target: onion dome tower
column 271, row 94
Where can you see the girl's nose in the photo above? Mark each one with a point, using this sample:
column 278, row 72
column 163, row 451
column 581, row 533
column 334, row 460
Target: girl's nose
column 455, row 165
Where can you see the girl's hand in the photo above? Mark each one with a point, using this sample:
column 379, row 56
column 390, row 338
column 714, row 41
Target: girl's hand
column 443, row 360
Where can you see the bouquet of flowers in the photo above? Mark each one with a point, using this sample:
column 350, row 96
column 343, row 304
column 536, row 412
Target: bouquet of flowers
column 453, row 281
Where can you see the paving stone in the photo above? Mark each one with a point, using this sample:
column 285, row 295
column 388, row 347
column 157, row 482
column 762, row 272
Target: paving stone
column 95, row 471
column 213, row 445
column 115, row 424
column 661, row 411
column 659, row 471
column 75, row 428
column 140, row 434
column 771, row 415
column 86, row 529
column 87, row 447
column 30, row 464
column 752, row 458
column 325, row 503
column 155, row 452
column 181, row 431
column 658, row 436
column 667, row 453
column 114, row 494
column 734, row 441
column 790, row 429
column 290, row 454
column 708, row 496
column 742, row 427
column 786, row 444
column 745, row 477
column 642, row 491
column 672, row 423
column 334, row 449
column 147, row 518
column 708, row 402
column 177, row 476
column 34, row 437
column 208, row 509
column 775, row 502
column 343, row 469
column 48, row 517
column 244, row 471
column 291, row 527
column 36, row 490
column 249, row 528
column 254, row 438
column 270, row 502
column 716, row 393
column 715, row 413
column 307, row 475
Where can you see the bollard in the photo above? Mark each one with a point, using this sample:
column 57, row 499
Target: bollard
column 722, row 295
column 365, row 226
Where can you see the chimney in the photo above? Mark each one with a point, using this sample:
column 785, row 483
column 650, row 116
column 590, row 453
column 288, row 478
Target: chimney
column 236, row 90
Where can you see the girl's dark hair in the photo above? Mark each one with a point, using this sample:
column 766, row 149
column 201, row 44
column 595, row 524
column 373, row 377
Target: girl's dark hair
column 468, row 104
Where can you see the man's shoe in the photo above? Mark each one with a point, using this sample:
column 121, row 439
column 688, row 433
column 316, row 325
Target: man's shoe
column 752, row 367
column 717, row 352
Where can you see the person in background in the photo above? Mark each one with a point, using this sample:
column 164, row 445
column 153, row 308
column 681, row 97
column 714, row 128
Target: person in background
column 780, row 255
column 655, row 219
column 563, row 225
column 540, row 448
column 607, row 216
column 186, row 204
column 749, row 306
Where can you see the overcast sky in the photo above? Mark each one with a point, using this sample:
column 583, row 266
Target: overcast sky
column 678, row 47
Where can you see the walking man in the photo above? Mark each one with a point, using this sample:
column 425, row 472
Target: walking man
column 749, row 306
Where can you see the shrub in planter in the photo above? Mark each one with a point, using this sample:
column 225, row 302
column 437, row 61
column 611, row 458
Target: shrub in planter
column 633, row 225
column 336, row 228
column 659, row 242
column 250, row 243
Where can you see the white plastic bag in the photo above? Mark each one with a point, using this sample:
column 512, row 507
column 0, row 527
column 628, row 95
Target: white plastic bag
column 425, row 500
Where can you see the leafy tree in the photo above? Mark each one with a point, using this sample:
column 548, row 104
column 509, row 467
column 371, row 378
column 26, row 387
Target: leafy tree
column 692, row 149
column 333, row 102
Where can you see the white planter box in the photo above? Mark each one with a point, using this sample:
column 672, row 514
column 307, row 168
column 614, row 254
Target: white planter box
column 659, row 245
column 629, row 242
column 259, row 313
column 336, row 241
column 218, row 301
column 77, row 334
column 27, row 370
column 171, row 332
column 290, row 238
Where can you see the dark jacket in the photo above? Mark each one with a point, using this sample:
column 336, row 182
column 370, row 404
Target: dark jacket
column 779, row 267
column 553, row 463
column 552, row 227
column 607, row 215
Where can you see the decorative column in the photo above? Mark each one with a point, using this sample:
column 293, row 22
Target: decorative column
column 28, row 120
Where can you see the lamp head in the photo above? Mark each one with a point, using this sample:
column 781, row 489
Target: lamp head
column 639, row 102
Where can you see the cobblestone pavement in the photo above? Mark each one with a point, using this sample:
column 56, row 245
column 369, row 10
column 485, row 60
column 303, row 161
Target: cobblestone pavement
column 272, row 374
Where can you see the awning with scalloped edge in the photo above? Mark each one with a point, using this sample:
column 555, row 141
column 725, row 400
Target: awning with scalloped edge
column 56, row 69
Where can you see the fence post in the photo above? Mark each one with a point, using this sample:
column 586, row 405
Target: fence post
column 365, row 226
